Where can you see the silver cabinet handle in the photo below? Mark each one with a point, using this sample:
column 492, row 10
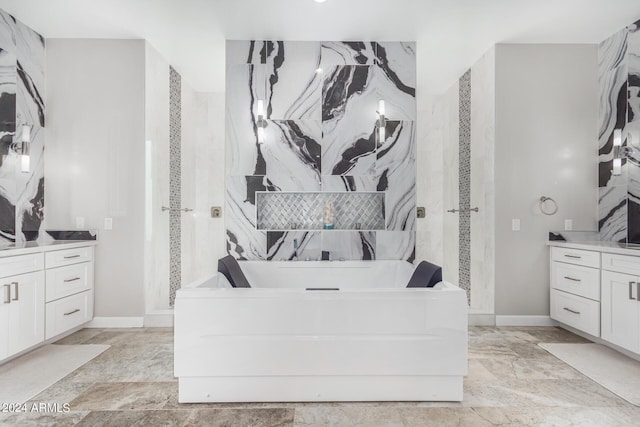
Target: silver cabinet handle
column 72, row 256
column 7, row 294
column 571, row 311
column 72, row 311
column 71, row 280
column 572, row 279
column 631, row 290
column 573, row 256
column 17, row 287
column 637, row 291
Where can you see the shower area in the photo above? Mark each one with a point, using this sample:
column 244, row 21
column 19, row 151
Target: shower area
column 184, row 176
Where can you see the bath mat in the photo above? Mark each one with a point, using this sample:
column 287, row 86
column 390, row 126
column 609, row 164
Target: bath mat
column 25, row 377
column 612, row 370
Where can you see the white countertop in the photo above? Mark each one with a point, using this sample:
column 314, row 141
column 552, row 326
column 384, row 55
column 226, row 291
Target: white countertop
column 13, row 249
column 608, row 247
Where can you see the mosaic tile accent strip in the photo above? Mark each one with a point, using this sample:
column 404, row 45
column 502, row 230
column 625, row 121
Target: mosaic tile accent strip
column 289, row 211
column 175, row 194
column 464, row 184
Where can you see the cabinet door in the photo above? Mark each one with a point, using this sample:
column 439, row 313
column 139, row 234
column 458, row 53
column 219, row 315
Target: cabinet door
column 26, row 311
column 620, row 310
column 4, row 320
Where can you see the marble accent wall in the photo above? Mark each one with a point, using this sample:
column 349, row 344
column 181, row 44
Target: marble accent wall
column 619, row 108
column 321, row 101
column 21, row 102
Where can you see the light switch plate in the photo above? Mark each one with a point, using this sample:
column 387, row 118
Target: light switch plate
column 515, row 225
column 108, row 223
column 568, row 224
column 216, row 212
column 79, row 222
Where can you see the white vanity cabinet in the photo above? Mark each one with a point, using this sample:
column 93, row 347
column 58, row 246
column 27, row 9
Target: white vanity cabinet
column 620, row 301
column 22, row 303
column 69, row 289
column 575, row 288
column 44, row 292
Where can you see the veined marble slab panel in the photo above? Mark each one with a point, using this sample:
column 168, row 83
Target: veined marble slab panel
column 633, row 132
column 294, row 81
column 396, row 171
column 395, row 79
column 613, row 75
column 30, row 109
column 8, row 193
column 7, row 32
column 245, row 86
column 612, row 209
column 347, row 53
column 349, row 183
column 280, row 245
column 350, row 245
column 244, row 241
column 239, row 52
column 292, row 148
column 396, row 245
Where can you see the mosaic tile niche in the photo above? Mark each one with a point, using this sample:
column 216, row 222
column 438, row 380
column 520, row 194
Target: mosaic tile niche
column 320, row 136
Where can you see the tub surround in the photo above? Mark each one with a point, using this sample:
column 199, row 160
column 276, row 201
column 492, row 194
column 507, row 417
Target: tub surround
column 320, row 135
column 332, row 317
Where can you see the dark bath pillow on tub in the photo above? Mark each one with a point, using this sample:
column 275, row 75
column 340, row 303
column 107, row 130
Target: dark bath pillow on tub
column 232, row 271
column 426, row 275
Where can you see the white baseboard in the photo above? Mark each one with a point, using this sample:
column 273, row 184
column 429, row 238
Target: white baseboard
column 482, row 319
column 116, row 322
column 158, row 320
column 525, row 321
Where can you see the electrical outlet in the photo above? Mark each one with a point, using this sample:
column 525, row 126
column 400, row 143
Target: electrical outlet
column 515, row 225
column 568, row 224
column 79, row 222
column 108, row 223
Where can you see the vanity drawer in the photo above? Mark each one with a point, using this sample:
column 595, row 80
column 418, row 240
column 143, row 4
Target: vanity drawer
column 621, row 263
column 67, row 313
column 21, row 264
column 576, row 256
column 576, row 279
column 68, row 256
column 578, row 312
column 68, row 280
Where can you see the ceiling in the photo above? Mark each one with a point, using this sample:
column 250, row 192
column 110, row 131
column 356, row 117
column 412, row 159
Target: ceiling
column 451, row 34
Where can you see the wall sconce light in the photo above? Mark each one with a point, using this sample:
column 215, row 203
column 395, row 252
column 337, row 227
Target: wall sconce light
column 617, row 151
column 261, row 123
column 24, row 148
column 382, row 122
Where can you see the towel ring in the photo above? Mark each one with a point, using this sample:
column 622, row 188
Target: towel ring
column 542, row 204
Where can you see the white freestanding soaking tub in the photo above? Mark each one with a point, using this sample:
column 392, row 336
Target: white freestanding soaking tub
column 371, row 339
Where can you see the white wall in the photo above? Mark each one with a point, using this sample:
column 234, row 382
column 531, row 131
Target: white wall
column 483, row 118
column 546, row 144
column 156, row 181
column 94, row 159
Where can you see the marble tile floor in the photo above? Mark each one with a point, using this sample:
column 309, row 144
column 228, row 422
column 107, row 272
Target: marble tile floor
column 511, row 382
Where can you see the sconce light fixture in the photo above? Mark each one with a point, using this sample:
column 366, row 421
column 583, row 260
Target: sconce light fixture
column 382, row 122
column 617, row 151
column 261, row 122
column 24, row 149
